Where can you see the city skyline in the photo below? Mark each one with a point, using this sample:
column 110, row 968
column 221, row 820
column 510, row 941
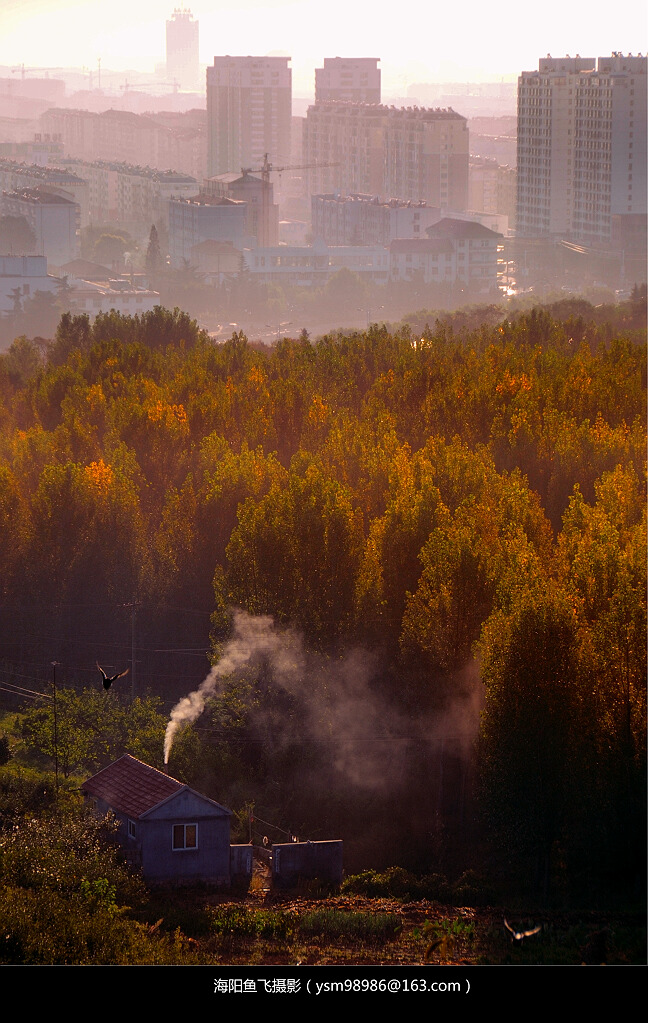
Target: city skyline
column 494, row 49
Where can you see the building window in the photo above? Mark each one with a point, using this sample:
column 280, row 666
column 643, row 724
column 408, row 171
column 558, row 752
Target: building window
column 185, row 836
column 131, row 829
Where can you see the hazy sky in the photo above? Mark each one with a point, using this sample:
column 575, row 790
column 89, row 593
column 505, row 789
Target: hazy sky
column 416, row 40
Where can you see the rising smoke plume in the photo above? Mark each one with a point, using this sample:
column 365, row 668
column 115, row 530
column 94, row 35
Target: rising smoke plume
column 368, row 741
column 253, row 638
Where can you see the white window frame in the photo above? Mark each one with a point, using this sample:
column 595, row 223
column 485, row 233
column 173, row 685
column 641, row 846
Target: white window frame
column 184, row 847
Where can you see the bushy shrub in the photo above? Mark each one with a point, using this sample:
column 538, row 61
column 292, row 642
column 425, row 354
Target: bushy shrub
column 5, row 751
column 395, row 882
column 471, row 889
column 41, row 926
column 60, row 851
column 24, row 791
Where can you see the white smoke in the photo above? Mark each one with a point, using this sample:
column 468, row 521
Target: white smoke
column 367, row 737
column 253, row 637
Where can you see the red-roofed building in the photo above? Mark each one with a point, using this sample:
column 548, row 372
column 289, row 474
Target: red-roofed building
column 171, row 831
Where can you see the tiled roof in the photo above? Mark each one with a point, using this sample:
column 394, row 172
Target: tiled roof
column 452, row 228
column 131, row 786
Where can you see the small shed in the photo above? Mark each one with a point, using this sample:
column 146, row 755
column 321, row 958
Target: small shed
column 168, row 829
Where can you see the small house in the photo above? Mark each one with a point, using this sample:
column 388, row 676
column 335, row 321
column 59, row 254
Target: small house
column 168, row 829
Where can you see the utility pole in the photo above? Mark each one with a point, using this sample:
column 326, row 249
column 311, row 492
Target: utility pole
column 54, row 664
column 133, row 608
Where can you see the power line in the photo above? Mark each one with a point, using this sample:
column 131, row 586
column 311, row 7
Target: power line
column 27, row 693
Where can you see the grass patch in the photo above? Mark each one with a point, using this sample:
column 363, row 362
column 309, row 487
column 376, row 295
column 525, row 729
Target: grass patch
column 242, row 923
column 337, row 925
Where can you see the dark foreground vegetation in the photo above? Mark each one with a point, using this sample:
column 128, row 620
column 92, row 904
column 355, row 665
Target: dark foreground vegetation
column 446, row 527
column 65, row 899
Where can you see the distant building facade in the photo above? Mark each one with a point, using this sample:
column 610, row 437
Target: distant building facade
column 41, row 151
column 581, row 160
column 365, row 220
column 207, row 218
column 118, row 136
column 249, row 110
column 21, row 277
column 129, row 196
column 492, row 188
column 54, row 219
column 94, row 297
column 475, row 248
column 16, row 176
column 258, row 194
column 348, row 80
column 415, row 154
column 454, row 251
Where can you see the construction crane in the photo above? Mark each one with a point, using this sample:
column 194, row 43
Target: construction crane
column 26, row 70
column 265, row 171
column 127, row 87
column 267, row 168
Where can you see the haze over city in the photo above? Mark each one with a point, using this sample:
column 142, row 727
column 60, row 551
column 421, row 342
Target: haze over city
column 415, row 42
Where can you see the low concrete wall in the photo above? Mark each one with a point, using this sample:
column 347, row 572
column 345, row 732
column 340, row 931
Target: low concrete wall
column 310, row 860
column 241, row 864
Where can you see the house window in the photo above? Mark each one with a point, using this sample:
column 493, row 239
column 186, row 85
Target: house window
column 185, row 836
column 131, row 829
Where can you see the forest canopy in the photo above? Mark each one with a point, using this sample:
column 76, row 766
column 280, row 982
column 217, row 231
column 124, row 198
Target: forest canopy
column 469, row 489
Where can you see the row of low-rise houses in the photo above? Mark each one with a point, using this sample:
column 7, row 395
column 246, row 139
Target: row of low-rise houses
column 106, row 192
column 81, row 287
column 451, row 251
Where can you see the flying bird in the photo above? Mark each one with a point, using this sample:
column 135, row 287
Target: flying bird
column 107, row 682
column 519, row 935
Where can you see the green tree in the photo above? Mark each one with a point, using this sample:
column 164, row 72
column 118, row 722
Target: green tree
column 154, row 258
column 531, row 737
column 86, row 524
column 16, row 236
column 110, row 248
column 295, row 553
column 93, row 728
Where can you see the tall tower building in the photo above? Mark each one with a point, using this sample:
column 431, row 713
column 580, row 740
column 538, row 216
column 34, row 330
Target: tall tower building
column 249, row 109
column 348, row 80
column 581, row 165
column 182, row 62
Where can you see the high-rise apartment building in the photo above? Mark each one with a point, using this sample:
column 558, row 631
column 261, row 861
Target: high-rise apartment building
column 581, row 165
column 182, row 62
column 249, row 109
column 408, row 153
column 348, row 80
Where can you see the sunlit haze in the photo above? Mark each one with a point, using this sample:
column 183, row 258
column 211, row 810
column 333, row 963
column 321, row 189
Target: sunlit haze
column 415, row 41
